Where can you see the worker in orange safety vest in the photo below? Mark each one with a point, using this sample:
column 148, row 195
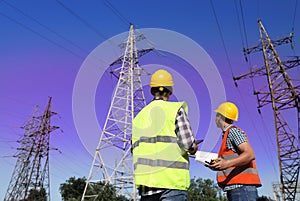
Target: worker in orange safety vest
column 236, row 170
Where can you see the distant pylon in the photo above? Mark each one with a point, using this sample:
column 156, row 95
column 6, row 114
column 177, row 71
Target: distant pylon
column 283, row 95
column 31, row 173
column 112, row 163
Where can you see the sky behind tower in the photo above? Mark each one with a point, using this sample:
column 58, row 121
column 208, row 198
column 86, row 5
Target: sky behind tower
column 46, row 45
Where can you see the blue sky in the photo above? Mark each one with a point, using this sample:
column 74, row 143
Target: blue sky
column 44, row 46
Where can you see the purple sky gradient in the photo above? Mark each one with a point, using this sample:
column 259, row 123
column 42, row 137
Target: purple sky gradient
column 43, row 47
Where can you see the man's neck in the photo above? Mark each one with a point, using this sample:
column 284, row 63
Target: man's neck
column 225, row 126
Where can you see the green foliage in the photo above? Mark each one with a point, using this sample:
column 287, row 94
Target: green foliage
column 36, row 195
column 204, row 190
column 200, row 190
column 73, row 190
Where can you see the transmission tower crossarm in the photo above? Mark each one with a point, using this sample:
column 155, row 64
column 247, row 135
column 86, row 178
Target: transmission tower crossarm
column 140, row 53
column 284, row 135
column 289, row 64
column 115, row 139
column 31, row 172
column 295, row 96
column 258, row 48
column 282, row 94
column 253, row 73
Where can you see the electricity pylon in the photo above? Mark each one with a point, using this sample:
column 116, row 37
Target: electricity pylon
column 283, row 95
column 112, row 163
column 31, row 173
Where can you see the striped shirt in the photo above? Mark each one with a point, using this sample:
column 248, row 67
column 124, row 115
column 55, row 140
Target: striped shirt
column 235, row 137
column 186, row 141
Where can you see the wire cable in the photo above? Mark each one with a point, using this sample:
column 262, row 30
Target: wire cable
column 40, row 35
column 44, row 26
column 293, row 24
column 239, row 23
column 248, row 59
column 269, row 141
column 244, row 37
column 244, row 26
column 52, row 31
column 87, row 24
column 294, row 16
column 221, row 35
column 116, row 12
column 266, row 150
column 82, row 20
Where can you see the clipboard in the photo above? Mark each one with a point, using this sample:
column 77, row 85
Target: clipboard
column 202, row 156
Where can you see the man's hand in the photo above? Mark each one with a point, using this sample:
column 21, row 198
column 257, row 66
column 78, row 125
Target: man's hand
column 220, row 164
column 245, row 157
column 194, row 151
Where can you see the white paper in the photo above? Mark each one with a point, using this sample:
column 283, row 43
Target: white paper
column 202, row 156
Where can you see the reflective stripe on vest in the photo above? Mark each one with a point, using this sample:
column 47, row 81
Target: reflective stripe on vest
column 157, row 158
column 236, row 170
column 161, row 163
column 167, row 139
column 246, row 174
column 230, row 156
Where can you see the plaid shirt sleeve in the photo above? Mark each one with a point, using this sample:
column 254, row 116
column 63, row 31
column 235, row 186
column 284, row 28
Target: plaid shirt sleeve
column 186, row 139
column 235, row 137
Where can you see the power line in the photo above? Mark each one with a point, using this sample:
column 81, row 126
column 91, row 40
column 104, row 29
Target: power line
column 44, row 26
column 87, row 24
column 116, row 12
column 54, row 32
column 294, row 16
column 243, row 37
column 282, row 94
column 244, row 26
column 221, row 36
column 246, row 39
column 239, row 23
column 40, row 35
column 82, row 20
column 223, row 42
column 127, row 101
column 269, row 154
column 293, row 24
column 270, row 140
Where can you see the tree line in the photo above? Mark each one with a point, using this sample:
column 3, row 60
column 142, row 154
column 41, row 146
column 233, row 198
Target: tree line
column 200, row 190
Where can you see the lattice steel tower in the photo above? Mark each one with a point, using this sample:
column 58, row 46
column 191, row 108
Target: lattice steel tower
column 112, row 161
column 31, row 173
column 283, row 95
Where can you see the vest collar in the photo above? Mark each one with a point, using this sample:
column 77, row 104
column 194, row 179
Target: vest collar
column 225, row 129
column 159, row 98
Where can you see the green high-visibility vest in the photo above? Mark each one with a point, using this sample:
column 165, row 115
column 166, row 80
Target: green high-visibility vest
column 157, row 158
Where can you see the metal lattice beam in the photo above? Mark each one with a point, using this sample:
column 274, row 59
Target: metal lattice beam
column 31, row 172
column 115, row 139
column 282, row 94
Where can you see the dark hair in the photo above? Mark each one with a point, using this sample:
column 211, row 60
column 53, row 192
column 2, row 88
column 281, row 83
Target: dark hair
column 161, row 91
column 229, row 121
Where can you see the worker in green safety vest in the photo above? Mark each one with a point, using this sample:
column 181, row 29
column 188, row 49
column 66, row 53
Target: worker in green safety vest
column 162, row 138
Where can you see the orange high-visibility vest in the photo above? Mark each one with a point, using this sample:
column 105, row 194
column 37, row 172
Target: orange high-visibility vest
column 246, row 174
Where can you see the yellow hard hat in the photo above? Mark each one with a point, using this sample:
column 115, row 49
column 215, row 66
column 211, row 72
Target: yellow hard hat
column 228, row 110
column 161, row 78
